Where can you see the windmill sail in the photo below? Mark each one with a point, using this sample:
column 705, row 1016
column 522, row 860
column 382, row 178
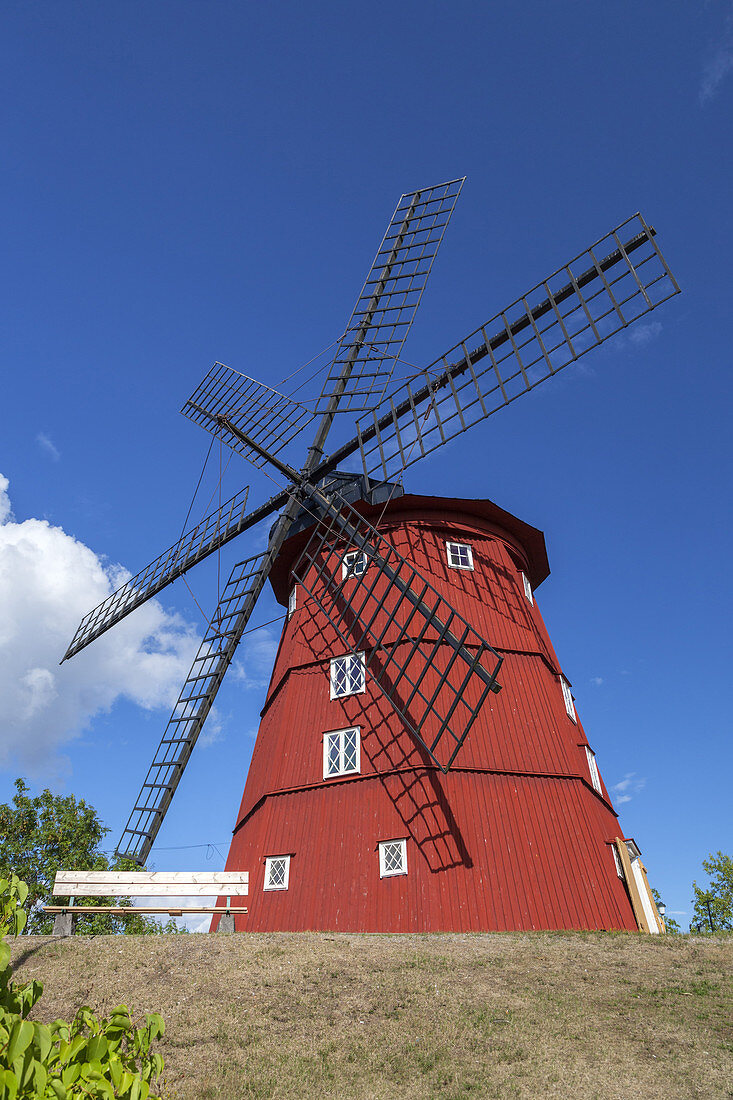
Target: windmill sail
column 194, row 703
column 205, row 538
column 386, row 307
column 585, row 302
column 432, row 666
column 267, row 416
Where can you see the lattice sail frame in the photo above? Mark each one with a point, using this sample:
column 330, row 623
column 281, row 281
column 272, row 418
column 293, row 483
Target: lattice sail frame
column 190, row 712
column 523, row 346
column 453, row 395
column 270, row 418
column 436, row 670
column 386, row 307
column 202, row 540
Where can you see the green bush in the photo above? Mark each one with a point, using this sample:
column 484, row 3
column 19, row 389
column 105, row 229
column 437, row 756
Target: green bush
column 88, row 1058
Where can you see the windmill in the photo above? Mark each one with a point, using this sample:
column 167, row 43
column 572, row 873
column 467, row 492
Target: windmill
column 400, row 638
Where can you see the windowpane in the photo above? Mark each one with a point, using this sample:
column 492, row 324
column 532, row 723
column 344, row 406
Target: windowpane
column 593, row 768
column 392, row 858
column 333, row 754
column 349, row 752
column 354, row 564
column 527, row 588
column 293, row 600
column 277, row 872
column 341, row 752
column 460, row 555
column 356, row 674
column 338, row 676
column 347, row 675
column 568, row 697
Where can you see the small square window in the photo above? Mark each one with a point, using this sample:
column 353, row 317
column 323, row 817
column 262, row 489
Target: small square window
column 277, row 873
column 292, row 600
column 341, row 752
column 593, row 768
column 353, row 564
column 392, row 858
column 460, row 555
column 617, row 861
column 527, row 588
column 568, row 697
column 347, row 675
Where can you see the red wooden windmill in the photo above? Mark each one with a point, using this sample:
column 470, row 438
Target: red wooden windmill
column 409, row 774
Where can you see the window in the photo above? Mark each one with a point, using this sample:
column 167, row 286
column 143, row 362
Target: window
column 392, row 858
column 277, row 872
column 292, row 600
column 593, row 767
column 353, row 564
column 649, row 909
column 460, row 555
column 341, row 752
column 568, row 697
column 347, row 675
column 527, row 588
column 617, row 861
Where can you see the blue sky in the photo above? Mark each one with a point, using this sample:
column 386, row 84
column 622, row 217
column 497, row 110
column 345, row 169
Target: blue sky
column 184, row 183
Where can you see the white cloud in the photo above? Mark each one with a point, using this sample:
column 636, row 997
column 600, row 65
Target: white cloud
column 630, row 785
column 254, row 668
column 213, row 730
column 596, row 681
column 644, row 334
column 5, row 509
column 48, row 581
column 48, row 446
column 715, row 72
column 719, row 63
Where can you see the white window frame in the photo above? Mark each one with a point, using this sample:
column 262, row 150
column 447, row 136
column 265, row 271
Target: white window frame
column 595, row 776
column 268, row 871
column 457, row 547
column 328, row 738
column 349, row 657
column 568, row 698
column 292, row 601
column 402, row 870
column 617, row 861
column 527, row 588
column 349, row 563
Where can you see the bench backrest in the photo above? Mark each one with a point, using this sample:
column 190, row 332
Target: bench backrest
column 150, row 884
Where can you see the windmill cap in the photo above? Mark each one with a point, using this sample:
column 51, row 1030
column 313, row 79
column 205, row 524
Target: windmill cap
column 525, row 543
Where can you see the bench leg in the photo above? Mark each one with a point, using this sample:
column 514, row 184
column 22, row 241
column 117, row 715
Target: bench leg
column 226, row 923
column 63, row 924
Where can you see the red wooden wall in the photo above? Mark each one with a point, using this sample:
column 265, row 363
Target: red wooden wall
column 513, row 837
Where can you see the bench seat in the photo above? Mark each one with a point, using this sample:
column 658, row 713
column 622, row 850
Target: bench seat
column 152, row 884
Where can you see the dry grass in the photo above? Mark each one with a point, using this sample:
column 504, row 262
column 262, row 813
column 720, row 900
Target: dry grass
column 575, row 1015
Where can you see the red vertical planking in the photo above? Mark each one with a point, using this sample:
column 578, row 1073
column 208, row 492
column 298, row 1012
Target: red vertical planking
column 513, row 837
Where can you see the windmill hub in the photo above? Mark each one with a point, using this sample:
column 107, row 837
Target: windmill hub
column 351, row 488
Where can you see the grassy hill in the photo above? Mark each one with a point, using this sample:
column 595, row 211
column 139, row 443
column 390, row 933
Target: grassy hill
column 441, row 1017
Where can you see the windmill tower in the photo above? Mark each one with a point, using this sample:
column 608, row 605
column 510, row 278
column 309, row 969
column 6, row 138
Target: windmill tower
column 420, row 765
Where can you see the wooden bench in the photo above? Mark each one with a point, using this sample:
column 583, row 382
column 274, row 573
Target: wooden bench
column 146, row 884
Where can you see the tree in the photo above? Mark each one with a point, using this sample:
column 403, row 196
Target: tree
column 713, row 910
column 41, row 835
